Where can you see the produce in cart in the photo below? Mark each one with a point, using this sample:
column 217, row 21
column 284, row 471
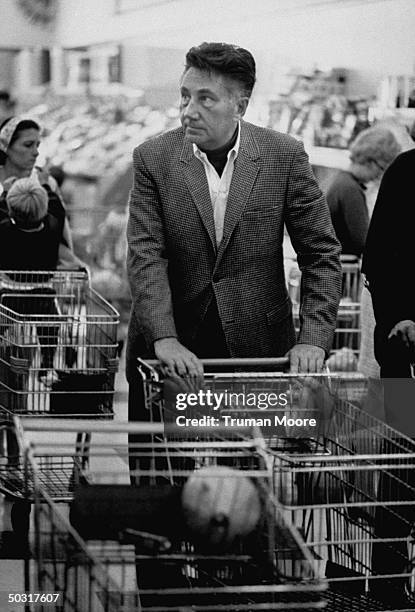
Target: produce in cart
column 220, row 506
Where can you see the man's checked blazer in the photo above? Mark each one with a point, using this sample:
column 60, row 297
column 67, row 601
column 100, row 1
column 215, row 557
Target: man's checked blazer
column 175, row 269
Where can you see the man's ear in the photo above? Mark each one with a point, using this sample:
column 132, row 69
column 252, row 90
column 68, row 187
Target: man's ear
column 241, row 106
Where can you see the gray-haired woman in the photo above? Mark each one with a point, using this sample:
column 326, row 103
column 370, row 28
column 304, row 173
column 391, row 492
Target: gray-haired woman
column 370, row 154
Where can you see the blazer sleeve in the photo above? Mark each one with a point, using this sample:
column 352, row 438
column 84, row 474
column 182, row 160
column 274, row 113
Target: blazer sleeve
column 310, row 228
column 147, row 263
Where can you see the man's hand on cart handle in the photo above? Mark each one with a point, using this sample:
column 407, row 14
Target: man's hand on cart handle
column 404, row 331
column 177, row 359
column 306, row 358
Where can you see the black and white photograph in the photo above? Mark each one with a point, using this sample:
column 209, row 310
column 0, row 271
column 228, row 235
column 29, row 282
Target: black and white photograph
column 207, row 319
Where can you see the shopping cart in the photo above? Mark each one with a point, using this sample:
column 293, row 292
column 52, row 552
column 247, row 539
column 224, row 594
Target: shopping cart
column 58, row 345
column 250, row 391
column 338, row 482
column 347, row 332
column 352, row 496
column 131, row 547
column 56, row 474
column 58, row 356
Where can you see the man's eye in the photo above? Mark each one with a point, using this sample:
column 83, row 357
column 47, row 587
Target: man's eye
column 185, row 98
column 206, row 100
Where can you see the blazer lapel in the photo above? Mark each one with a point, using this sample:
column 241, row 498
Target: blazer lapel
column 196, row 181
column 243, row 178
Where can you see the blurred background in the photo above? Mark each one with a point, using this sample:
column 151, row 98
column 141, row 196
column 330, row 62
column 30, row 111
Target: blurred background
column 101, row 76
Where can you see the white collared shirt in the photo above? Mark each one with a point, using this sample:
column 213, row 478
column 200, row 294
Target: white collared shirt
column 219, row 185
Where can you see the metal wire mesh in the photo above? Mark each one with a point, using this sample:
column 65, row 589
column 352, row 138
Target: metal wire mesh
column 126, row 525
column 348, row 484
column 58, row 344
column 347, row 332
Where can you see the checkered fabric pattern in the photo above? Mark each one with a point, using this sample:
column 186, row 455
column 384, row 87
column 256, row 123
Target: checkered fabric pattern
column 173, row 264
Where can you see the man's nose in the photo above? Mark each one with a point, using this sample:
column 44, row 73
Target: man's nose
column 190, row 109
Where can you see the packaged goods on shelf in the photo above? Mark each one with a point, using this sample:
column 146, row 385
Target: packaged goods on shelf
column 94, row 136
column 316, row 110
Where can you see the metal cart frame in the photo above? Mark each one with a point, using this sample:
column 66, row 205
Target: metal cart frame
column 58, row 352
column 270, row 571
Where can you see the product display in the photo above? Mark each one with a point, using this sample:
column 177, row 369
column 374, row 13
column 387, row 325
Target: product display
column 94, row 136
column 316, row 109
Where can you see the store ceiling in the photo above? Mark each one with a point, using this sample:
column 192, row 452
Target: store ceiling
column 266, row 6
column 252, row 23
column 291, row 4
column 277, row 5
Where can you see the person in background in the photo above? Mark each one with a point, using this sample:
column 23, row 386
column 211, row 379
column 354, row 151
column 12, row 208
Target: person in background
column 19, row 143
column 370, row 154
column 388, row 267
column 367, row 363
column 29, row 240
column 351, row 200
column 29, row 235
column 207, row 212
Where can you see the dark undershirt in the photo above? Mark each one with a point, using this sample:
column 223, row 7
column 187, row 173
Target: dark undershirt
column 219, row 157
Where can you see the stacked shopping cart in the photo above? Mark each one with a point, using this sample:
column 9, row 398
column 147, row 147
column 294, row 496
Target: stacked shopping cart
column 135, row 547
column 336, row 505
column 58, row 349
column 347, row 332
column 58, row 357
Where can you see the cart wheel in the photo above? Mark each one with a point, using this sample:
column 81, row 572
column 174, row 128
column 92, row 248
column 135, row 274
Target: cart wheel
column 20, row 518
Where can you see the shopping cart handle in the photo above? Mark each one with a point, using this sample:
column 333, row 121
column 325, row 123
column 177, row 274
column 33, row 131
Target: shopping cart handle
column 234, row 362
column 76, row 269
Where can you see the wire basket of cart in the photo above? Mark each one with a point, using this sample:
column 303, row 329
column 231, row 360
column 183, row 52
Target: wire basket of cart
column 250, row 392
column 347, row 332
column 350, row 490
column 58, row 350
column 344, row 478
column 193, row 526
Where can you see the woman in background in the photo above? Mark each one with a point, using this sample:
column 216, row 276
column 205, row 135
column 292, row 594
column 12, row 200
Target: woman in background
column 19, row 144
column 370, row 154
column 350, row 200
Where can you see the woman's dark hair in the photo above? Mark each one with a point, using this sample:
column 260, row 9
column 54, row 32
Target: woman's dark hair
column 24, row 124
column 231, row 61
